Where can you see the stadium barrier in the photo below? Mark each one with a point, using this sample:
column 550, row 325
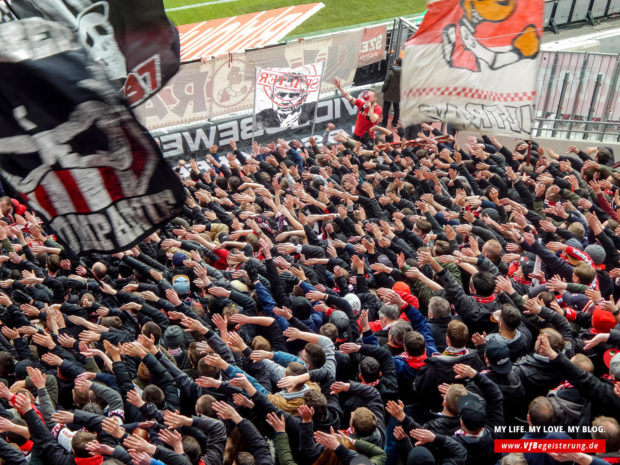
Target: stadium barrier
column 564, row 12
column 578, row 96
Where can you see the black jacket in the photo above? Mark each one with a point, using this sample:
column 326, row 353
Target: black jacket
column 439, row 327
column 538, row 375
column 598, row 391
column 480, row 450
column 436, row 371
column 513, row 392
column 476, row 315
column 391, row 85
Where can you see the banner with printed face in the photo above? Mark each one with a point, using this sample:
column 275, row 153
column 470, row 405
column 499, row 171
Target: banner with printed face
column 474, row 64
column 134, row 40
column 225, row 84
column 286, row 97
column 71, row 148
column 194, row 141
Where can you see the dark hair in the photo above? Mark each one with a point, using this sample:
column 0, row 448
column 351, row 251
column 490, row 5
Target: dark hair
column 191, row 448
column 151, row 328
column 511, row 316
column 370, row 369
column 193, row 354
column 424, row 225
column 234, row 182
column 547, row 297
column 53, row 262
column 112, row 322
column 79, row 441
column 414, row 343
column 316, row 400
column 603, row 155
column 153, row 394
column 398, row 61
column 316, row 356
column 442, row 248
column 204, row 405
column 484, row 283
column 205, row 370
column 7, row 363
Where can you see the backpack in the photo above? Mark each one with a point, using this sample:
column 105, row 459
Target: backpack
column 568, row 412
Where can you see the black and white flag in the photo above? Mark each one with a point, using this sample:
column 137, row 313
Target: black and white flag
column 71, row 148
column 134, row 39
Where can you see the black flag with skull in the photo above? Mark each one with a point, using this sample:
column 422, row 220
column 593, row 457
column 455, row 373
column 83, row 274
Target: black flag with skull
column 71, row 149
column 134, row 39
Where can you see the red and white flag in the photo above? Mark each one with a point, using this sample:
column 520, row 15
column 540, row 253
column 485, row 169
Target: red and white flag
column 473, row 63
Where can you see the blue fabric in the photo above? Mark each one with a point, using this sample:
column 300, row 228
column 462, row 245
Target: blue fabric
column 233, row 371
column 297, row 159
column 284, row 358
column 372, row 340
column 420, row 325
column 108, row 380
column 268, row 303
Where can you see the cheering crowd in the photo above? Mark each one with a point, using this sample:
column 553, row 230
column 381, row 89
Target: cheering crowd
column 351, row 303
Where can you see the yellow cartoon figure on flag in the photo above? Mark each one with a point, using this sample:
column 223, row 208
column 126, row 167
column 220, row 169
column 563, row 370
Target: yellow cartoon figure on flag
column 473, row 63
column 464, row 43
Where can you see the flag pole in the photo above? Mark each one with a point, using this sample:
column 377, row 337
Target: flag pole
column 8, row 5
column 318, row 99
column 254, row 109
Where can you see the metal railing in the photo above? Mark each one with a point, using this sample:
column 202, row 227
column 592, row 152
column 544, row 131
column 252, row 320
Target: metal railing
column 402, row 30
column 564, row 12
column 578, row 96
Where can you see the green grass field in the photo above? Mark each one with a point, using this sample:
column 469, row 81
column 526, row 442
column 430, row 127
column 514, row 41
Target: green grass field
column 335, row 14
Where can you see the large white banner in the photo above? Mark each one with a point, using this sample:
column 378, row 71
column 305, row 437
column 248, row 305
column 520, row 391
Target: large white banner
column 474, row 64
column 225, row 85
column 286, row 97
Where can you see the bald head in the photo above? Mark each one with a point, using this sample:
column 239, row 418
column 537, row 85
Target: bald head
column 99, row 270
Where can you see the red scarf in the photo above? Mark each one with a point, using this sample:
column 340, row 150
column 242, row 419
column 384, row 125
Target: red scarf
column 94, row 460
column 521, row 281
column 484, row 300
column 26, row 447
column 564, row 385
column 414, row 361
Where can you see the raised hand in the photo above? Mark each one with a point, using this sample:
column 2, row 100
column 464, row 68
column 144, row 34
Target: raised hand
column 134, row 398
column 112, row 427
column 173, row 438
column 277, row 423
column 37, row 377
column 138, row 444
column 422, row 436
column 176, row 420
column 306, row 413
